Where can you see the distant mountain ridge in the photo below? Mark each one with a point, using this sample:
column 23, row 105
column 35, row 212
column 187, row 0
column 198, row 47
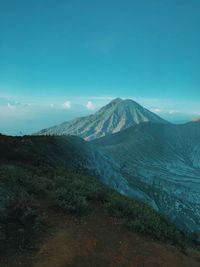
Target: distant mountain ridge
column 117, row 115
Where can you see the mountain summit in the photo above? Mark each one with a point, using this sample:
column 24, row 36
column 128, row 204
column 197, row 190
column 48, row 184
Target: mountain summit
column 117, row 115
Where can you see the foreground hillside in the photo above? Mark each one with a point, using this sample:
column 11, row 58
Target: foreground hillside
column 54, row 213
column 95, row 240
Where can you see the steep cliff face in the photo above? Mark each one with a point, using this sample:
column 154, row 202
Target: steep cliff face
column 162, row 162
column 117, row 115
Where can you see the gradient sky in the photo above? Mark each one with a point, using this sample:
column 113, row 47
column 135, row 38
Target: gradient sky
column 65, row 58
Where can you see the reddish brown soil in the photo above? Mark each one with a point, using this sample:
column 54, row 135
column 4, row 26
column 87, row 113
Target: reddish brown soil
column 98, row 240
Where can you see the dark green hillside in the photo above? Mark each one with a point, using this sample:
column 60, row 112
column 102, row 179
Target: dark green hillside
column 43, row 151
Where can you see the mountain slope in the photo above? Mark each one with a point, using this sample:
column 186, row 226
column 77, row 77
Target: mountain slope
column 161, row 163
column 45, row 188
column 117, row 115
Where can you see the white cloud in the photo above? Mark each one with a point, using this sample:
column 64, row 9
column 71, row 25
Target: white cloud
column 67, row 105
column 173, row 111
column 90, row 105
column 10, row 106
column 156, row 110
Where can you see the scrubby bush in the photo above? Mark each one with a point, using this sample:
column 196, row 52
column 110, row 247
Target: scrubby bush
column 16, row 177
column 72, row 201
column 5, row 200
column 82, row 184
column 17, row 212
column 76, row 192
column 195, row 238
column 15, row 204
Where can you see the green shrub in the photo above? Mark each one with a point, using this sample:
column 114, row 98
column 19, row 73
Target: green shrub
column 72, row 201
column 16, row 205
column 6, row 198
column 77, row 192
column 118, row 207
column 82, row 184
column 14, row 176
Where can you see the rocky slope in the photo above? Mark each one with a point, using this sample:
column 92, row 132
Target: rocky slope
column 117, row 115
column 162, row 164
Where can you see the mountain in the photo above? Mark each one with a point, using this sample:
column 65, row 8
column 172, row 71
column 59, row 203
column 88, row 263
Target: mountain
column 161, row 162
column 117, row 115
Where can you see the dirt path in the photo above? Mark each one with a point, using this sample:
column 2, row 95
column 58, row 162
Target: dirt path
column 98, row 240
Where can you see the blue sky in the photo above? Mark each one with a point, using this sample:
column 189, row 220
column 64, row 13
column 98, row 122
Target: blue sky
column 64, row 58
